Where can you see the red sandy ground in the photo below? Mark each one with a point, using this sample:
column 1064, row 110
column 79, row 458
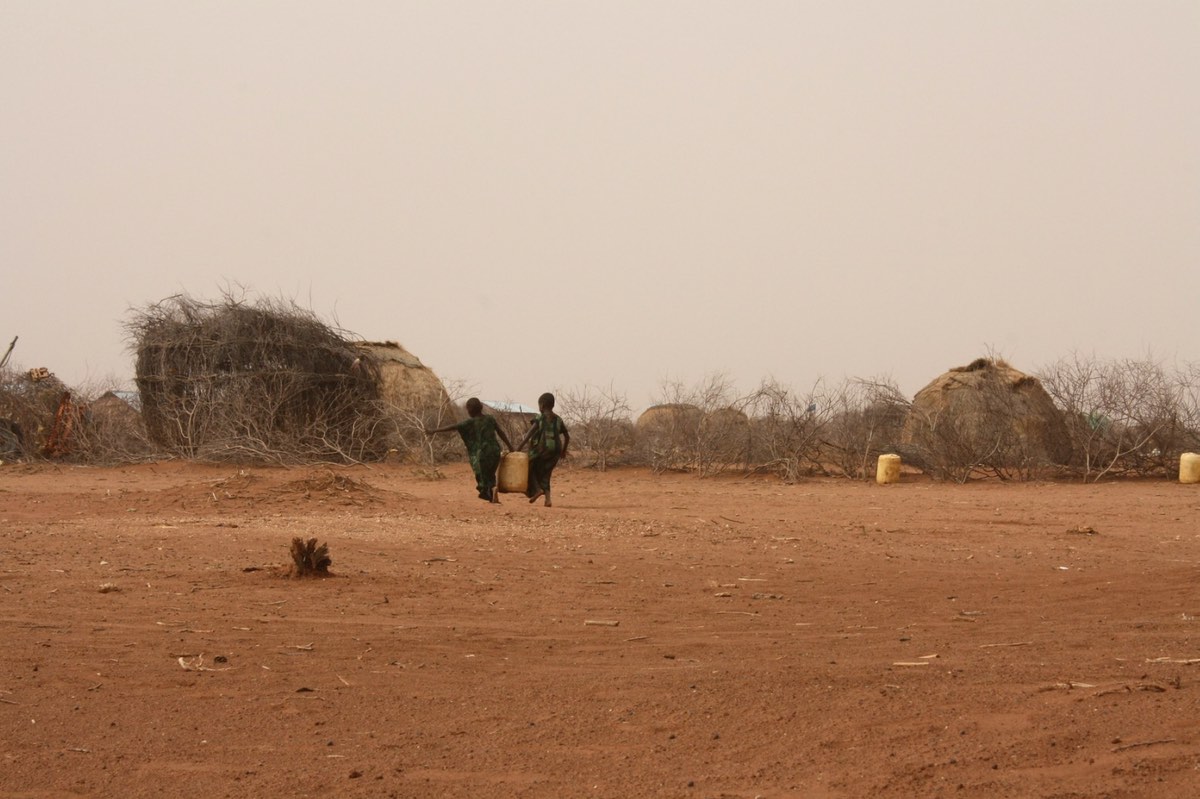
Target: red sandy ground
column 825, row 639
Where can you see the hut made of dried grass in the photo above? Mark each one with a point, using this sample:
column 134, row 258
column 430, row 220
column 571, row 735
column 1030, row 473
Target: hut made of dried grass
column 668, row 418
column 405, row 384
column 269, row 380
column 986, row 414
column 411, row 396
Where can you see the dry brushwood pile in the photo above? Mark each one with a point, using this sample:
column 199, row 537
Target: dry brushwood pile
column 268, row 382
column 29, row 402
column 310, row 559
column 328, row 485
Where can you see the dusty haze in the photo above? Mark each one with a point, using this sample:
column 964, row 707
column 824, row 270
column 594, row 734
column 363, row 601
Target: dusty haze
column 531, row 194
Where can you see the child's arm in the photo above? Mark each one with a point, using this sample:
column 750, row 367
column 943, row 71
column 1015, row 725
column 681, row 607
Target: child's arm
column 504, row 438
column 445, row 429
column 566, row 442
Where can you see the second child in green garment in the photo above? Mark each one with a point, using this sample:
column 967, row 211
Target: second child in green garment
column 548, row 441
column 479, row 433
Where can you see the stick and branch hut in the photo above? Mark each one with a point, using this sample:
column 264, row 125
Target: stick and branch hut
column 229, row 380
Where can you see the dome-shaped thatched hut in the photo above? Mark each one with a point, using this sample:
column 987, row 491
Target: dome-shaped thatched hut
column 411, row 394
column 985, row 415
column 668, row 417
column 680, row 435
column 405, row 382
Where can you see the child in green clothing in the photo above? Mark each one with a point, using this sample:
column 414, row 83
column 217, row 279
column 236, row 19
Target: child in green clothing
column 479, row 434
column 548, row 439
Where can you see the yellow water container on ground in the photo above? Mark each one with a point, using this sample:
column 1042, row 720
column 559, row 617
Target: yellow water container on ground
column 514, row 473
column 1189, row 468
column 888, row 469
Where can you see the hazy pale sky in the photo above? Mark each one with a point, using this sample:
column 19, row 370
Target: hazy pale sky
column 544, row 194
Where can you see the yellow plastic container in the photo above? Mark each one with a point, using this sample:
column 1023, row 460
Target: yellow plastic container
column 1189, row 468
column 888, row 469
column 513, row 477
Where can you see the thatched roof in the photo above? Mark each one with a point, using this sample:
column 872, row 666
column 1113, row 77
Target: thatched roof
column 668, row 414
column 405, row 382
column 988, row 406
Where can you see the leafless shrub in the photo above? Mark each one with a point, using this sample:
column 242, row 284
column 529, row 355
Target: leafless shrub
column 786, row 429
column 598, row 419
column 111, row 429
column 1188, row 379
column 29, row 403
column 700, row 428
column 228, row 380
column 1124, row 417
column 513, row 418
column 309, row 559
column 410, row 418
column 42, row 417
column 859, row 420
column 12, row 444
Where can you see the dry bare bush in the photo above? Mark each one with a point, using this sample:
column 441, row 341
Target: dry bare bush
column 859, row 420
column 598, row 419
column 42, row 417
column 229, row 380
column 411, row 419
column 701, row 428
column 111, row 429
column 310, row 559
column 786, row 429
column 1124, row 417
column 12, row 445
column 29, row 402
column 515, row 423
column 1188, row 379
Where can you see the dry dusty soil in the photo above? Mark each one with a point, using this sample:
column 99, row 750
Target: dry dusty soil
column 649, row 635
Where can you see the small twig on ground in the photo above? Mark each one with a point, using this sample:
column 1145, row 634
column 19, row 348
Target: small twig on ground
column 1118, row 690
column 1137, row 744
column 1014, row 643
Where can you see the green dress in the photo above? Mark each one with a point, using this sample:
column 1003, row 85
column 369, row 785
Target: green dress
column 543, row 451
column 483, row 447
